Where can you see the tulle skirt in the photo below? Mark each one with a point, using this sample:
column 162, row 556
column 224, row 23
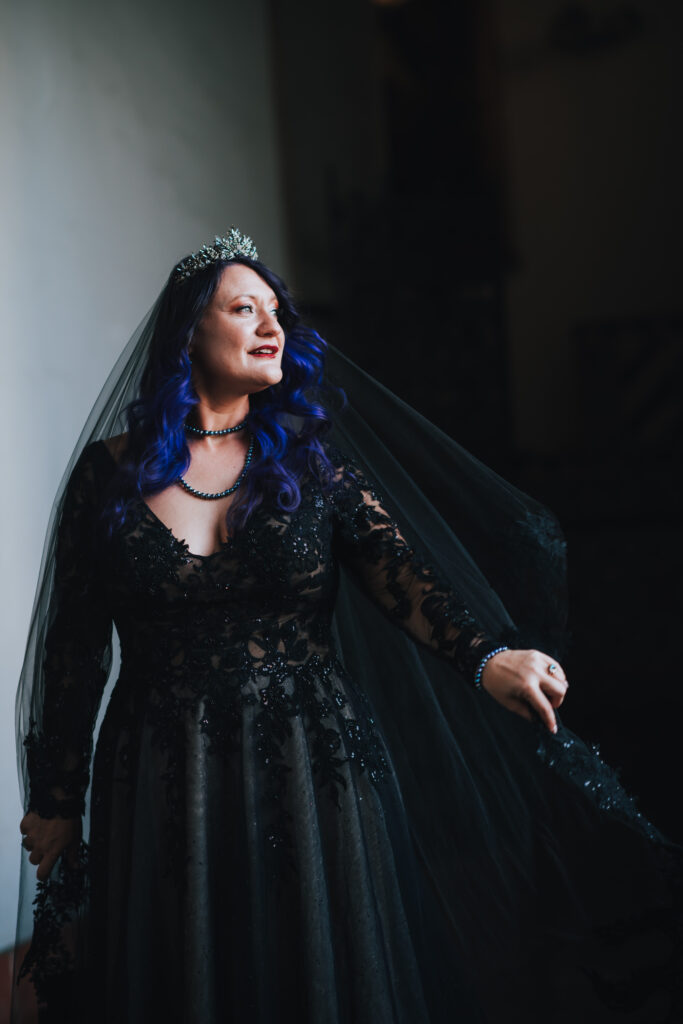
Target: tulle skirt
column 224, row 888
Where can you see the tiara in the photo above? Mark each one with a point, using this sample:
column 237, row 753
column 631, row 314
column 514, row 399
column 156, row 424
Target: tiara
column 234, row 244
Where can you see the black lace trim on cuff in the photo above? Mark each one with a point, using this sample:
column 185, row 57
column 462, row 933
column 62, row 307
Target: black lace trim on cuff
column 471, row 646
column 46, row 773
column 45, row 805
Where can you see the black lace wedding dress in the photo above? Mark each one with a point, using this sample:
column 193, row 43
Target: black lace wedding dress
column 273, row 840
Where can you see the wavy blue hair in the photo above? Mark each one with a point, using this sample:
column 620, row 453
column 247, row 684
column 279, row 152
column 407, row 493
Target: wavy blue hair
column 287, row 420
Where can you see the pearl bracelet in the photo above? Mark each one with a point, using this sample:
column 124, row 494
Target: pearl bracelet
column 480, row 666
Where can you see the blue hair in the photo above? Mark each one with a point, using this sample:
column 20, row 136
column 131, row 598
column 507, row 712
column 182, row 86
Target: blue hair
column 287, row 421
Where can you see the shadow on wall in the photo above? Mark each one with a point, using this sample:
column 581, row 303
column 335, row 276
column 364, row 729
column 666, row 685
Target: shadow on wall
column 490, row 198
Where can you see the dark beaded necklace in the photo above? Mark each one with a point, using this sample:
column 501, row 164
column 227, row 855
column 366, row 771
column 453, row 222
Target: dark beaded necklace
column 199, row 432
column 207, row 495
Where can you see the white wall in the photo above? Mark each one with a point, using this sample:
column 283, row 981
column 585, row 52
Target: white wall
column 131, row 134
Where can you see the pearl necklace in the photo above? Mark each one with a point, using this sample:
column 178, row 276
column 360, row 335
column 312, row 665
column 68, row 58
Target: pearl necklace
column 216, row 433
column 207, row 495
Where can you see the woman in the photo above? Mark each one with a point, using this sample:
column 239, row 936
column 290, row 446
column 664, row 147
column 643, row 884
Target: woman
column 264, row 844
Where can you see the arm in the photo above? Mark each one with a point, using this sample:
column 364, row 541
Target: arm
column 76, row 663
column 396, row 578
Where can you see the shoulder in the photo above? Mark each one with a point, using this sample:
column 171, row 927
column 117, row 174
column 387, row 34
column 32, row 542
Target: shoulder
column 339, row 456
column 351, row 479
column 342, row 464
column 116, row 446
column 349, row 462
column 93, row 469
column 103, row 457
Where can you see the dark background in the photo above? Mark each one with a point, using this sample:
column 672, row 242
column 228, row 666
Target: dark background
column 484, row 212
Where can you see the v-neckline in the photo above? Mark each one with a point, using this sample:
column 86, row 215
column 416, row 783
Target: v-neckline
column 181, row 543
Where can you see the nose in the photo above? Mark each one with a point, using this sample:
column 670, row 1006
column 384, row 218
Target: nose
column 270, row 325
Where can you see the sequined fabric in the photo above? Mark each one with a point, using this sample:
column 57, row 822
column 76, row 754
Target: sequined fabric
column 252, row 855
column 234, row 743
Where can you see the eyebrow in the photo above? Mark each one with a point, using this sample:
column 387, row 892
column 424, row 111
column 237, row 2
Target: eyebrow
column 246, row 295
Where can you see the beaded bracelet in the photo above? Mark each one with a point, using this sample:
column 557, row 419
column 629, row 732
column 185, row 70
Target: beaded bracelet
column 480, row 666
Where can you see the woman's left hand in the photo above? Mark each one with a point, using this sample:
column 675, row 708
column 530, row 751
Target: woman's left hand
column 521, row 681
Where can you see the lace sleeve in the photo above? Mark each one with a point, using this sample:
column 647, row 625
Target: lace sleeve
column 76, row 656
column 396, row 577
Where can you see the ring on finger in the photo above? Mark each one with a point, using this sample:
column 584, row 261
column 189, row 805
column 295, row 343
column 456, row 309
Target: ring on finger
column 552, row 669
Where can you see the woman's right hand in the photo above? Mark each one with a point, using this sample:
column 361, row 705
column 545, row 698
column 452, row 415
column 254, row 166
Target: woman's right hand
column 48, row 838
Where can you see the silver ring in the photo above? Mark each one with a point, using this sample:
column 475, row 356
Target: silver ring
column 552, row 668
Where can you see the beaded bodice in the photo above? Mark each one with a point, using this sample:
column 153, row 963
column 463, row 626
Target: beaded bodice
column 249, row 624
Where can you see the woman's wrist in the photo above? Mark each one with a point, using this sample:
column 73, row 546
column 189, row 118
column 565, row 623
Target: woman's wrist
column 47, row 805
column 484, row 661
column 472, row 647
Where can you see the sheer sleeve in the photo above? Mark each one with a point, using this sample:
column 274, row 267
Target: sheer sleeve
column 369, row 542
column 76, row 655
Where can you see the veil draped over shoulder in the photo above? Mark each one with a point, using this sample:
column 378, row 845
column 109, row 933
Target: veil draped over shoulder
column 502, row 813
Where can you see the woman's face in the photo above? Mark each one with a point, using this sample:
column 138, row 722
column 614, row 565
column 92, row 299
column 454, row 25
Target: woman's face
column 237, row 346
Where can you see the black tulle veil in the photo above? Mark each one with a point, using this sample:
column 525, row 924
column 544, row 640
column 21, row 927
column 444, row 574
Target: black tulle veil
column 480, row 784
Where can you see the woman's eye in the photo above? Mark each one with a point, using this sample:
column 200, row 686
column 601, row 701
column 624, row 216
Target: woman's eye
column 241, row 308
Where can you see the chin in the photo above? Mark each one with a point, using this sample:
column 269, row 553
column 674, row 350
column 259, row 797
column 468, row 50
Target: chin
column 268, row 380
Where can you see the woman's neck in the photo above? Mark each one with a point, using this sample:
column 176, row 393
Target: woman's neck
column 209, row 415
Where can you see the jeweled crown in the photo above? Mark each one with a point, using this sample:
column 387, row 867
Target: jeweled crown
column 227, row 248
